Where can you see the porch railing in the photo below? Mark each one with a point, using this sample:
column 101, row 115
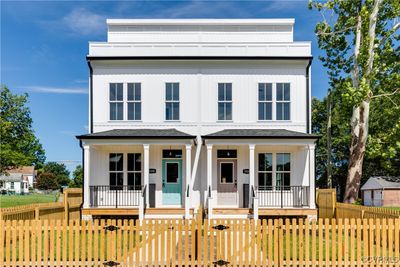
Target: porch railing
column 115, row 196
column 283, row 196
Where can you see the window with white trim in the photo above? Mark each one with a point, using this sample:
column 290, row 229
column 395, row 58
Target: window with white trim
column 134, row 101
column 134, row 171
column 116, row 170
column 224, row 101
column 172, row 101
column 265, row 171
column 265, row 101
column 283, row 101
column 283, row 170
column 116, row 98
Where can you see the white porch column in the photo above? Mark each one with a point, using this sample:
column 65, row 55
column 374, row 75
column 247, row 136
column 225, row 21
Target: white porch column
column 209, row 180
column 188, row 176
column 86, row 176
column 311, row 165
column 146, row 159
column 251, row 172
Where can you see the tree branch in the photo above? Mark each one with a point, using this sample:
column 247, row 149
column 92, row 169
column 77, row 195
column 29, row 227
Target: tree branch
column 388, row 94
column 371, row 32
column 393, row 30
column 355, row 72
column 336, row 32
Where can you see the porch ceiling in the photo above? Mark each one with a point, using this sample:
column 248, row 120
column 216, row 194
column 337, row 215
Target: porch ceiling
column 260, row 134
column 138, row 134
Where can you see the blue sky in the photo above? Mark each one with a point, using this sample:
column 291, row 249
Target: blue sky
column 44, row 44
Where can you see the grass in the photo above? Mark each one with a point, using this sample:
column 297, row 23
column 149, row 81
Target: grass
column 393, row 208
column 7, row 201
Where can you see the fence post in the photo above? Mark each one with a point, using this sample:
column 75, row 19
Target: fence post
column 66, row 205
column 37, row 213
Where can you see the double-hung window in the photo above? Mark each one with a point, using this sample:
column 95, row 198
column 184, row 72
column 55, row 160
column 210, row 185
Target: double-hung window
column 172, row 101
column 225, row 101
column 116, row 98
column 265, row 171
column 134, row 101
column 283, row 170
column 134, row 171
column 265, row 101
column 116, row 168
column 283, row 101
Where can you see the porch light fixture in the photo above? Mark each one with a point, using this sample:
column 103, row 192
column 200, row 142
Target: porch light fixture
column 228, row 153
column 170, row 152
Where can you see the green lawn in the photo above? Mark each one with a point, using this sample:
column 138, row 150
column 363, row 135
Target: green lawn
column 393, row 208
column 18, row 200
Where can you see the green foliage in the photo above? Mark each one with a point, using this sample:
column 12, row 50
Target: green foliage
column 18, row 144
column 77, row 177
column 60, row 172
column 47, row 181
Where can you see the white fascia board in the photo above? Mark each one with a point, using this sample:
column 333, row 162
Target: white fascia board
column 131, row 22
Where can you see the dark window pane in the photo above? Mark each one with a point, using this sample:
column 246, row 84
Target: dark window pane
column 268, row 92
column 116, row 161
column 112, row 91
column 120, row 111
column 131, row 91
column 175, row 91
column 172, row 172
column 134, row 181
column 265, row 181
column 265, row 162
column 131, row 111
column 168, row 91
column 261, row 91
column 168, row 111
column 279, row 111
column 120, row 92
column 138, row 91
column 221, row 111
column 172, row 153
column 286, row 111
column 287, row 91
column 138, row 111
column 283, row 161
column 113, row 178
column 226, row 173
column 268, row 111
column 221, row 92
column 228, row 92
column 228, row 111
column 227, row 153
column 261, row 111
column 286, row 179
column 175, row 114
column 134, row 162
column 279, row 91
column 120, row 178
column 113, row 111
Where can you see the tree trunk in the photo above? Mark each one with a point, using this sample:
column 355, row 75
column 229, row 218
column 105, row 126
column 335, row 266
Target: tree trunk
column 359, row 133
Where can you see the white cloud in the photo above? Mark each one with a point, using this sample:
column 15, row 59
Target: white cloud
column 84, row 22
column 53, row 90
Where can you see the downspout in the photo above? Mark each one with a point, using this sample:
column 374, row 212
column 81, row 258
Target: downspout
column 90, row 96
column 83, row 180
column 308, row 125
column 196, row 160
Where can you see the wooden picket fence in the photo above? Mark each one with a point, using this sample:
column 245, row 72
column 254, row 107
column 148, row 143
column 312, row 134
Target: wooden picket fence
column 349, row 242
column 68, row 209
column 329, row 208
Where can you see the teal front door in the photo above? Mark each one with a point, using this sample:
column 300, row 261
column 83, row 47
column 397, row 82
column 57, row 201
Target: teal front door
column 172, row 181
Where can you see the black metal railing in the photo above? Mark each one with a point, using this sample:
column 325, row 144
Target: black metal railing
column 114, row 195
column 283, row 196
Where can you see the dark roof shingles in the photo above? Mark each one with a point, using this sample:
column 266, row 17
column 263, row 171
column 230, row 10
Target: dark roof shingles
column 137, row 133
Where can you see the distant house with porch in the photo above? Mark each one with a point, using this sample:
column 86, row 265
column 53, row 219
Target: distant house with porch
column 18, row 180
column 381, row 191
column 190, row 112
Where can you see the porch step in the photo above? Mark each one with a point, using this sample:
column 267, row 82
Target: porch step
column 232, row 211
column 166, row 211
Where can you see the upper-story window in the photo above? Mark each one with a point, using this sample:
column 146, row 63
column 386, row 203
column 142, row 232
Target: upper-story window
column 172, row 101
column 224, row 101
column 283, row 101
column 134, row 101
column 265, row 101
column 116, row 101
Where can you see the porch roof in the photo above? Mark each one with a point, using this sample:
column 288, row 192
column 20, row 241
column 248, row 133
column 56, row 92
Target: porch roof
column 260, row 134
column 138, row 134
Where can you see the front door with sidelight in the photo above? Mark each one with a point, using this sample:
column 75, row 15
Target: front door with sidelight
column 227, row 183
column 172, row 181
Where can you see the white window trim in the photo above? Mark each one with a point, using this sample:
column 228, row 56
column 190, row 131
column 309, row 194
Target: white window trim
column 283, row 101
column 274, row 162
column 141, row 168
column 225, row 102
column 265, row 101
column 171, row 101
column 134, row 101
column 125, row 166
column 116, row 101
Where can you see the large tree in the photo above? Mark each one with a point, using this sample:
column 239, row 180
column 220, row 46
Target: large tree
column 18, row 144
column 59, row 170
column 77, row 177
column 362, row 53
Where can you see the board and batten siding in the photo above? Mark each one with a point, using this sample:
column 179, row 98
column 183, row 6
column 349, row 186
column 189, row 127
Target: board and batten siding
column 198, row 93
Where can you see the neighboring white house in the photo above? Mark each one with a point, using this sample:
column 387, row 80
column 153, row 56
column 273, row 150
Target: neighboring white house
column 381, row 191
column 190, row 112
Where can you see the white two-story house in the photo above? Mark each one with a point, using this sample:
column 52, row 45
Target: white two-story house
column 190, row 112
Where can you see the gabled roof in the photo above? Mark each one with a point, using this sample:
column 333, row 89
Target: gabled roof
column 26, row 170
column 12, row 177
column 381, row 182
column 138, row 134
column 260, row 134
